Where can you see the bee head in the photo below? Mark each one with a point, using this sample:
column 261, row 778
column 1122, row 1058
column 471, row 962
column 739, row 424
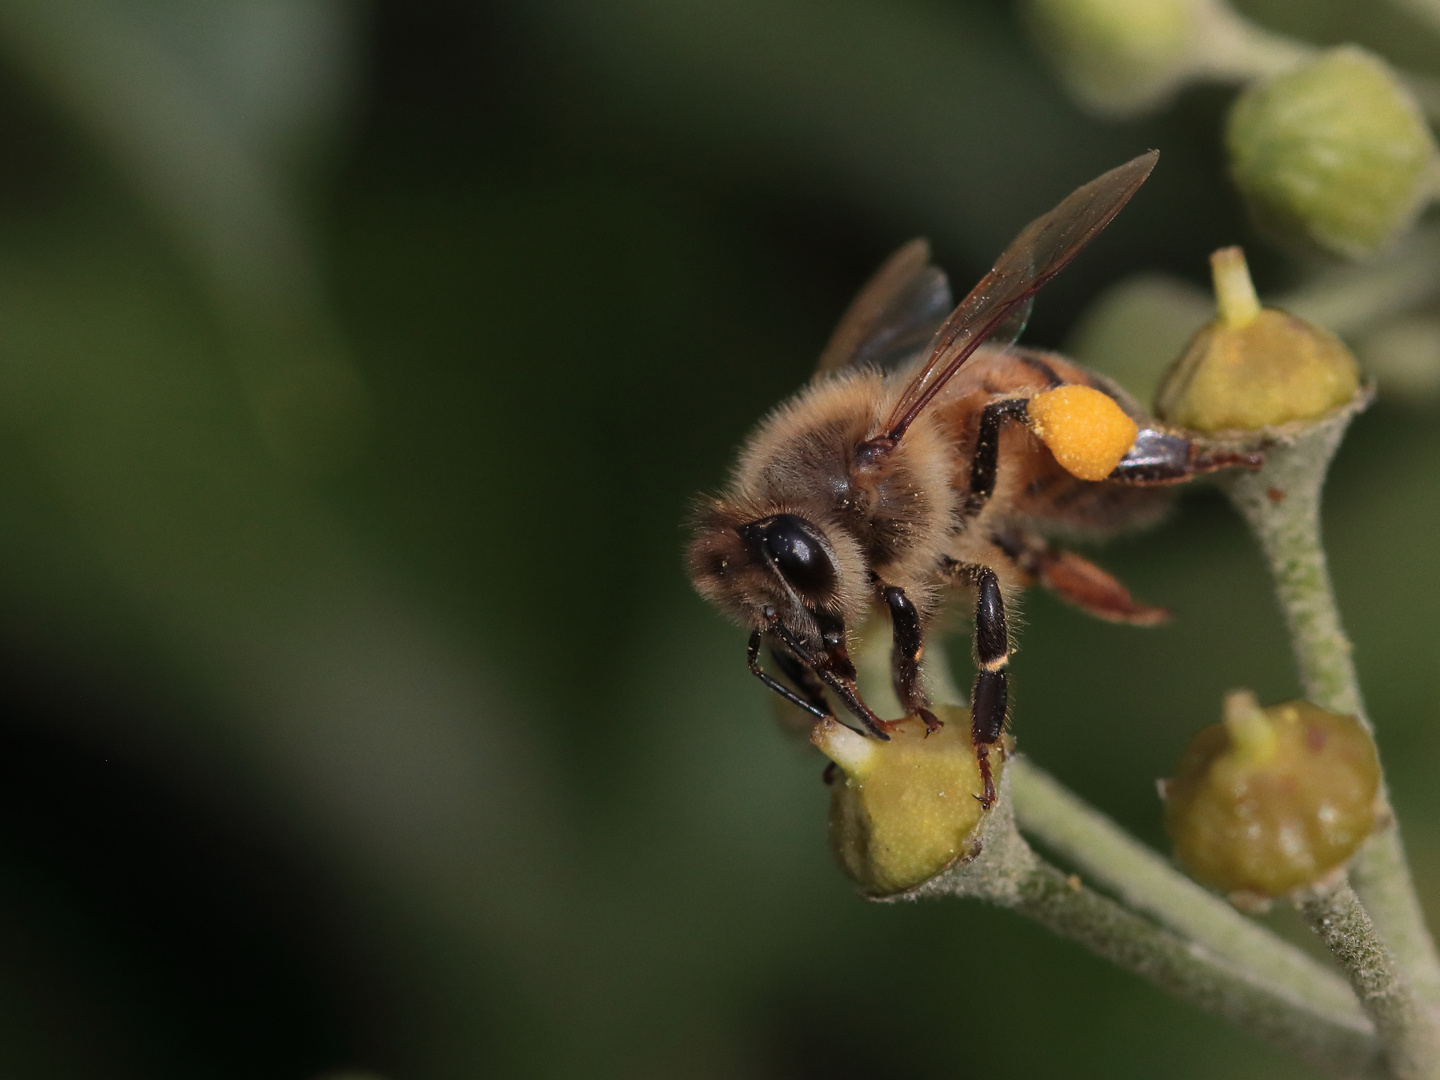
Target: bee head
column 781, row 562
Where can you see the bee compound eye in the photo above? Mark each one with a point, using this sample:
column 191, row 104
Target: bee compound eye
column 797, row 552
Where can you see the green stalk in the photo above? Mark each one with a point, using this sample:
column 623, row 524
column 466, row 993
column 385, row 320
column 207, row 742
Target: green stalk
column 1147, row 883
column 1009, row 874
column 1409, row 1032
column 1281, row 504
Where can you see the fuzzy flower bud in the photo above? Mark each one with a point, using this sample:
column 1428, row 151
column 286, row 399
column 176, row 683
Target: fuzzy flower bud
column 1254, row 367
column 1272, row 799
column 904, row 810
column 1117, row 57
column 1335, row 152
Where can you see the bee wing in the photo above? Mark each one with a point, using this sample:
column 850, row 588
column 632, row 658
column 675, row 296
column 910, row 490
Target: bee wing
column 894, row 316
column 1041, row 251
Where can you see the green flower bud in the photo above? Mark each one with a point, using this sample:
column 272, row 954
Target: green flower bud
column 1272, row 799
column 904, row 810
column 1335, row 152
column 1117, row 57
column 1254, row 367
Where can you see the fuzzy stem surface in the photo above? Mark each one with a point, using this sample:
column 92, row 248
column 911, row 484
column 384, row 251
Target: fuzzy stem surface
column 1146, row 882
column 1011, row 875
column 1409, row 1032
column 1281, row 504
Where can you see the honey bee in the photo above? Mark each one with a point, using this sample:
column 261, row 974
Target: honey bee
column 905, row 472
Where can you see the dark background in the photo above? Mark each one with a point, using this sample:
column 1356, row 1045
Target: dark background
column 362, row 718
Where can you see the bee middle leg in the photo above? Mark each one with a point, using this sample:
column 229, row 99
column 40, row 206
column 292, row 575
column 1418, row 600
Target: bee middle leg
column 905, row 658
column 801, row 677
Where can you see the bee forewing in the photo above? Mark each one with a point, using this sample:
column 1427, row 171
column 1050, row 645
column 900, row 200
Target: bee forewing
column 894, row 316
column 1041, row 251
column 1009, row 329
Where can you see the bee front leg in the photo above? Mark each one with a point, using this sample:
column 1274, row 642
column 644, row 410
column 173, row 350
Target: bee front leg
column 905, row 659
column 990, row 694
column 801, row 677
column 832, row 667
column 752, row 656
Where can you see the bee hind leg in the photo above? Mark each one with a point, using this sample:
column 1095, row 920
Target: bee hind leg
column 989, row 696
column 986, row 461
column 1078, row 581
column 1165, row 457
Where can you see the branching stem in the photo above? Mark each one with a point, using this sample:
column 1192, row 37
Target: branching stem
column 1229, row 48
column 1350, row 300
column 1010, row 874
column 1199, row 923
column 1281, row 504
column 1409, row 1032
column 1147, row 883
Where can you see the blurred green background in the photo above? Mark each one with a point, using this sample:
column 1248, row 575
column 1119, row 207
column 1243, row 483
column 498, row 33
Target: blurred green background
column 357, row 364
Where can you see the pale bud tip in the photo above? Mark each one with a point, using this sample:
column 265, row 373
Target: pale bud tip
column 1234, row 291
column 1250, row 730
column 848, row 749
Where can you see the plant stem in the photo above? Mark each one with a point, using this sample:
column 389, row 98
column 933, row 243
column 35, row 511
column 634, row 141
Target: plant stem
column 1009, row 874
column 1229, row 48
column 1209, row 955
column 1232, row 49
column 1350, row 300
column 1147, row 883
column 1427, row 11
column 1409, row 1032
column 1281, row 504
column 1142, row 879
column 1381, row 875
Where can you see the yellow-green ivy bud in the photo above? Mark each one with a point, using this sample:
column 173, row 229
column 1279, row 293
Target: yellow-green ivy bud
column 1335, row 152
column 1272, row 799
column 1254, row 367
column 904, row 810
column 1117, row 57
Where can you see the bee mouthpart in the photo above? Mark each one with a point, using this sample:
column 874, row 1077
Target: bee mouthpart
column 834, row 668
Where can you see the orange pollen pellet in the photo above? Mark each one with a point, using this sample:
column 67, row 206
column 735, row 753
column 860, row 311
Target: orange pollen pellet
column 1085, row 429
